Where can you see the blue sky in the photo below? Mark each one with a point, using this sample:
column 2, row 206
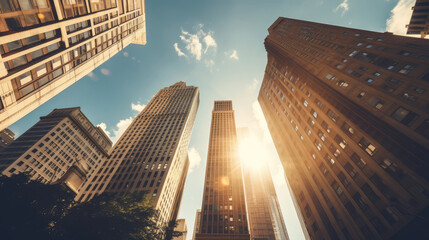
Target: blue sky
column 219, row 49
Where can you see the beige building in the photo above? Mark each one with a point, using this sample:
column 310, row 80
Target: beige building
column 181, row 227
column 152, row 153
column 197, row 223
column 6, row 138
column 62, row 147
column 223, row 211
column 419, row 22
column 347, row 111
column 45, row 46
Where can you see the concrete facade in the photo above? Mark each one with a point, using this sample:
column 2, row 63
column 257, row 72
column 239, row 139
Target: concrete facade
column 62, row 147
column 152, row 154
column 419, row 22
column 347, row 110
column 46, row 48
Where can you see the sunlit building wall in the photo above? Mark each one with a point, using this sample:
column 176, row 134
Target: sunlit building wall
column 223, row 212
column 347, row 110
column 63, row 146
column 181, row 227
column 197, row 223
column 152, row 154
column 263, row 210
column 419, row 22
column 45, row 46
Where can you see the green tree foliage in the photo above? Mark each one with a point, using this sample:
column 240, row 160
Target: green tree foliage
column 29, row 209
column 32, row 210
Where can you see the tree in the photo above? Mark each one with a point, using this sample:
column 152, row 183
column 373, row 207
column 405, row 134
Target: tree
column 29, row 209
column 32, row 210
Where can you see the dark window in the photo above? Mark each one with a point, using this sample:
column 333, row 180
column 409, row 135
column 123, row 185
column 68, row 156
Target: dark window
column 423, row 129
column 404, row 116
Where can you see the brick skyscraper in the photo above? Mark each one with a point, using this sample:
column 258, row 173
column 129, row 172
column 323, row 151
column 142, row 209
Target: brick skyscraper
column 347, row 110
column 152, row 154
column 223, row 212
column 47, row 45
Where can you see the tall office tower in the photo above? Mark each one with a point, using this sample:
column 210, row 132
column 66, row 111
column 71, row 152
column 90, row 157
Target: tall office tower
column 223, row 214
column 47, row 45
column 6, row 138
column 62, row 147
column 181, row 227
column 347, row 110
column 419, row 23
column 197, row 223
column 263, row 210
column 152, row 154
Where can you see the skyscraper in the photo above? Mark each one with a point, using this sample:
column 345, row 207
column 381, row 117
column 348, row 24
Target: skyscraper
column 197, row 223
column 263, row 209
column 347, row 110
column 419, row 22
column 223, row 212
column 6, row 138
column 152, row 153
column 45, row 46
column 181, row 227
column 62, row 147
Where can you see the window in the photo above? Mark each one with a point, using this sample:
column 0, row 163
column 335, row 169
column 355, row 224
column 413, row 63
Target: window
column 330, row 77
column 358, row 160
column 423, row 129
column 377, row 74
column 326, row 127
column 332, row 115
column 367, row 146
column 391, row 168
column 407, row 69
column 350, row 170
column 337, row 188
column 361, row 94
column 340, row 141
column 342, row 84
column 369, row 80
column 347, row 129
column 404, row 116
column 376, row 103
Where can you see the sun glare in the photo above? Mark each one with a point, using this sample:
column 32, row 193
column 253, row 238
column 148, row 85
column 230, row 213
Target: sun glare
column 252, row 152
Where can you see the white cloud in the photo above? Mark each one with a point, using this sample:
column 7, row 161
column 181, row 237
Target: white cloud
column 137, row 107
column 104, row 128
column 121, row 126
column 125, row 54
column 209, row 63
column 197, row 45
column 105, row 71
column 399, row 17
column 194, row 159
column 209, row 41
column 252, row 87
column 193, row 44
column 344, row 5
column 179, row 52
column 234, row 55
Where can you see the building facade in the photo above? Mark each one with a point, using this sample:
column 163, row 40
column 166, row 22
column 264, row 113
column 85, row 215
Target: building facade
column 45, row 46
column 263, row 209
column 152, row 153
column 62, row 147
column 347, row 110
column 197, row 223
column 181, row 227
column 6, row 138
column 419, row 22
column 223, row 212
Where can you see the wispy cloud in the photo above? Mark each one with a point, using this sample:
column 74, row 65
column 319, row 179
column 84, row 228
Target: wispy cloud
column 344, row 6
column 194, row 159
column 92, row 76
column 234, row 55
column 105, row 71
column 198, row 44
column 399, row 17
column 179, row 52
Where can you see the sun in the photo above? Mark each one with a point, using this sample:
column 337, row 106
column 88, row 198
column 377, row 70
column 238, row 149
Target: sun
column 253, row 154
